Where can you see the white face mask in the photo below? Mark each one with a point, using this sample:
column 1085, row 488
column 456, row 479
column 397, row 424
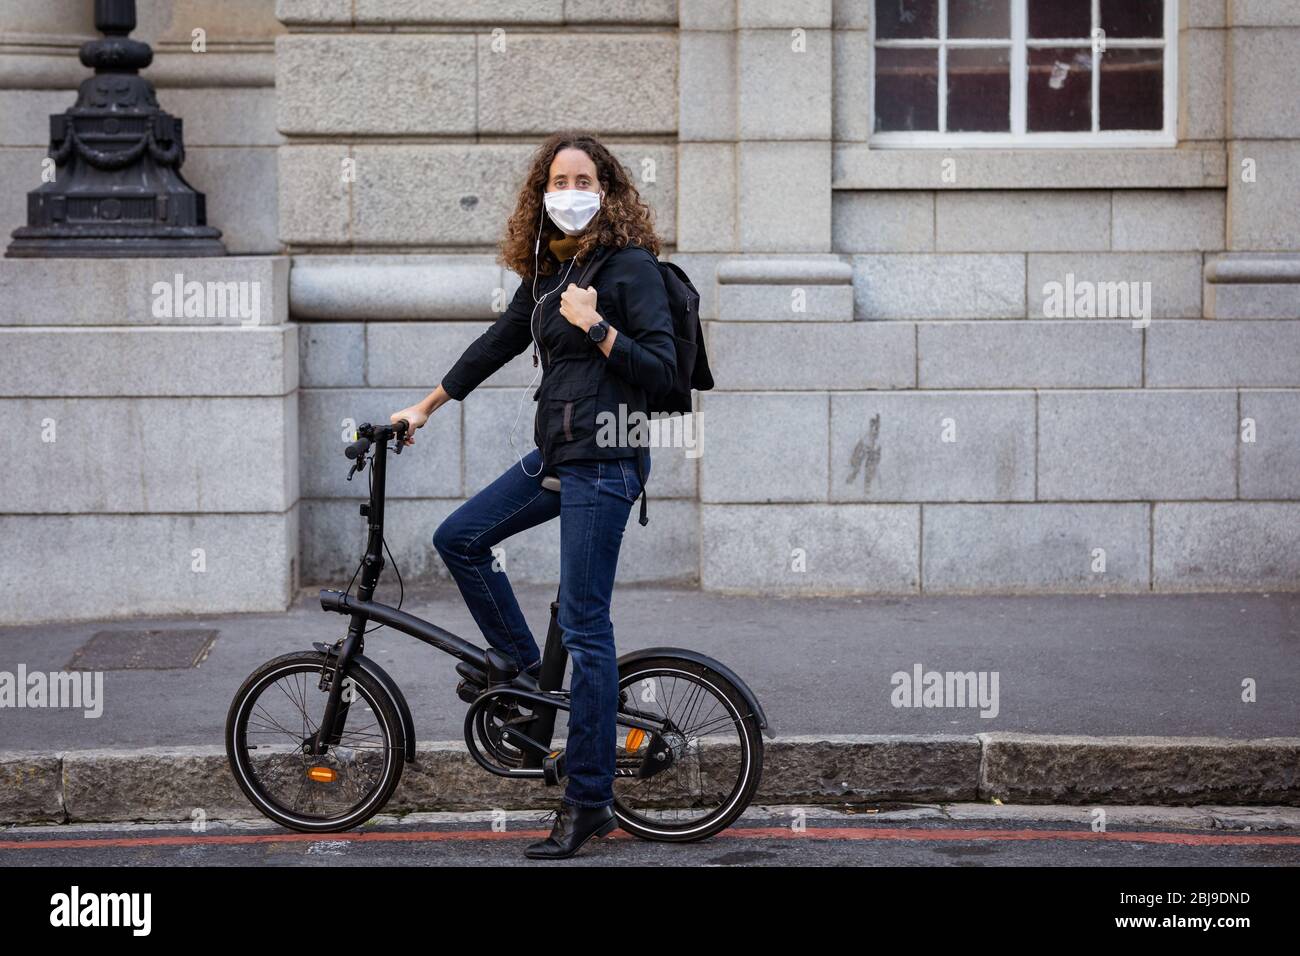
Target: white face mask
column 571, row 209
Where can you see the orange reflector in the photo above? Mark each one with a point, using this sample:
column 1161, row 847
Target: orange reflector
column 322, row 774
column 635, row 738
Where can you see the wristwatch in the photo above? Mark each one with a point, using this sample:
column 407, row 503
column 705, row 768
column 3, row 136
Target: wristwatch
column 598, row 331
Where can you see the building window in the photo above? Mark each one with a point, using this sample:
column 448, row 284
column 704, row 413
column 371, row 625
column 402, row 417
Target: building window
column 1024, row 72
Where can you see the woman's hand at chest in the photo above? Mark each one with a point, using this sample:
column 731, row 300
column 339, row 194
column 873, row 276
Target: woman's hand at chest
column 578, row 306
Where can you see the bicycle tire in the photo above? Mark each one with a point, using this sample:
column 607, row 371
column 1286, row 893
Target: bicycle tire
column 246, row 776
column 751, row 741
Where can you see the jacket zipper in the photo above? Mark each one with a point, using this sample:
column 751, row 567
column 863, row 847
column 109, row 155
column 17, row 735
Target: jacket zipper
column 568, row 419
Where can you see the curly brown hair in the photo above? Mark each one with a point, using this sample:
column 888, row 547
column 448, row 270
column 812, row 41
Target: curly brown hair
column 623, row 219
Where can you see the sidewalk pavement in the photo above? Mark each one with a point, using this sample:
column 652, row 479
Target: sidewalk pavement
column 1155, row 676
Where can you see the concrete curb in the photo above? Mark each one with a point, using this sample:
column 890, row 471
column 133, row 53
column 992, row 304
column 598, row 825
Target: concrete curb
column 186, row 783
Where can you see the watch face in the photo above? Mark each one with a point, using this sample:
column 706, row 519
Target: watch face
column 597, row 332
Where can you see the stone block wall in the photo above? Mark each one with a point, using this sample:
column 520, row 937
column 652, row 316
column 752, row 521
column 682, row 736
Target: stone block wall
column 408, row 127
column 962, row 436
column 901, row 404
column 922, row 418
column 153, row 451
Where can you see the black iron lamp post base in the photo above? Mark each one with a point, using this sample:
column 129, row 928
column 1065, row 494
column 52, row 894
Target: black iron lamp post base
column 114, row 185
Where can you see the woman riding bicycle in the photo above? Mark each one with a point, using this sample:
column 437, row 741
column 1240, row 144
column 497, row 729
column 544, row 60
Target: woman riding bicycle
column 601, row 348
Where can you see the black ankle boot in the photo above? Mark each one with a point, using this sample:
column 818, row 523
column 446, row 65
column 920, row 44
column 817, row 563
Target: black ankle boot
column 574, row 825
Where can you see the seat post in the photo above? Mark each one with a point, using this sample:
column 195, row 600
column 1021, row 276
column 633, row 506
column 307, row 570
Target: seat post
column 555, row 658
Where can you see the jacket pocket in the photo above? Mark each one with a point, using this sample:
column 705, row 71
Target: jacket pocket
column 569, row 410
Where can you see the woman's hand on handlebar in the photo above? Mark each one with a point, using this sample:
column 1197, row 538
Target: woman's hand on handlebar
column 416, row 416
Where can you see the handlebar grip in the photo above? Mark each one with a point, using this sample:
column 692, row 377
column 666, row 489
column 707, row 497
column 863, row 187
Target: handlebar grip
column 359, row 447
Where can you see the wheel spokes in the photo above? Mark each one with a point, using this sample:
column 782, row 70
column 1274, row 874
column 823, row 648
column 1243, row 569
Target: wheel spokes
column 704, row 773
column 324, row 786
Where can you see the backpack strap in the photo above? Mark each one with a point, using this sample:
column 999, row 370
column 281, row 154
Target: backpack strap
column 598, row 257
column 584, row 279
column 640, row 472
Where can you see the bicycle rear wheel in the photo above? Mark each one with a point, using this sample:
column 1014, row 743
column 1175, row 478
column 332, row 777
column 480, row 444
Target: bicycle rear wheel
column 710, row 743
column 273, row 718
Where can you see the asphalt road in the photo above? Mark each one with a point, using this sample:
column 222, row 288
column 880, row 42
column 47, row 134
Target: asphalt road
column 956, row 836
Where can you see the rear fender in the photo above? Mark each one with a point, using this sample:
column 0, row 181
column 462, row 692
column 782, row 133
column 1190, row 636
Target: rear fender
column 722, row 670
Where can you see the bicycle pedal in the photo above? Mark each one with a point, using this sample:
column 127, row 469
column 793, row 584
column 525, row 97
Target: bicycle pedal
column 553, row 768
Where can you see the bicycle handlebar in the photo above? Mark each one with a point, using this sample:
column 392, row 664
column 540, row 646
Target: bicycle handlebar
column 368, row 434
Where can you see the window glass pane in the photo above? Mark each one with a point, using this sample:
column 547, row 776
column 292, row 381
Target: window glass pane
column 1132, row 92
column 1060, row 19
column 1060, row 90
column 1132, row 18
column 907, row 89
column 907, row 19
column 979, row 91
column 979, row 19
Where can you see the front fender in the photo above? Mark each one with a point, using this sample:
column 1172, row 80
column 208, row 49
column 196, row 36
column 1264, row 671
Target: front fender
column 632, row 657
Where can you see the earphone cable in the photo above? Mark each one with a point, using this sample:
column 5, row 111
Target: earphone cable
column 537, row 244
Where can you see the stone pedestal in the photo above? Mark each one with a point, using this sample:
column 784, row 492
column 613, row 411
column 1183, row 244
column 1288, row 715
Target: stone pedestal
column 151, row 408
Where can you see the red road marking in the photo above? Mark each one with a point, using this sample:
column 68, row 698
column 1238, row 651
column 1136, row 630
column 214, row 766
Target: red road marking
column 752, row 833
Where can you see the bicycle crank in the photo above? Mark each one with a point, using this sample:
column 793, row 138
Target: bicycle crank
column 497, row 733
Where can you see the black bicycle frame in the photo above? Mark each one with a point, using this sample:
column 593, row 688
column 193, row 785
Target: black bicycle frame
column 363, row 609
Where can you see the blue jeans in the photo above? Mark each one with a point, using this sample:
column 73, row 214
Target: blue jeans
column 595, row 498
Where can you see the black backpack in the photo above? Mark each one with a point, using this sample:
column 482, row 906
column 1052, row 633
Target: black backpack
column 692, row 359
column 688, row 336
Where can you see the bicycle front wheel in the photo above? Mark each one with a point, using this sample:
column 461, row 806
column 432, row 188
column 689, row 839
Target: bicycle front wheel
column 272, row 721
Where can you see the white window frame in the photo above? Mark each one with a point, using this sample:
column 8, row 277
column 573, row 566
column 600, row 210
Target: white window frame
column 1018, row 46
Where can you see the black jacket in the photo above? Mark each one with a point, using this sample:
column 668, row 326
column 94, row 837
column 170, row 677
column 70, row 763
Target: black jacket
column 578, row 381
